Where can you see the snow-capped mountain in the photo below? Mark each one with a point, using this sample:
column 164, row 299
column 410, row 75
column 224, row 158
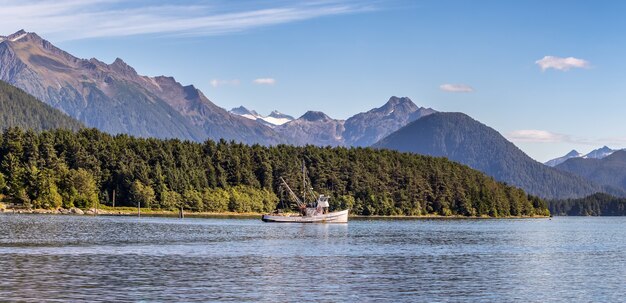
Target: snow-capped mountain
column 557, row 161
column 599, row 153
column 275, row 118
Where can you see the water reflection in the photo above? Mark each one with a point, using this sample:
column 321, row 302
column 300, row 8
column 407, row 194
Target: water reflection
column 166, row 259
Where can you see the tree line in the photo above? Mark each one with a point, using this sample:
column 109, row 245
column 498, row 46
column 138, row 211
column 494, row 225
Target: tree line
column 599, row 204
column 20, row 109
column 62, row 168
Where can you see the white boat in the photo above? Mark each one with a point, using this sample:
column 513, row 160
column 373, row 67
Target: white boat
column 316, row 212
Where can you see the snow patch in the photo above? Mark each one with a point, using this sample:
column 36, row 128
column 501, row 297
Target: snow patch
column 153, row 81
column 251, row 117
column 19, row 37
column 275, row 121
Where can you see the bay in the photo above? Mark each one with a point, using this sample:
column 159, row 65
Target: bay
column 129, row 259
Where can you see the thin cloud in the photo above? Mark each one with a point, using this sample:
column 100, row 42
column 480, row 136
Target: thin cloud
column 537, row 136
column 218, row 82
column 544, row 136
column 456, row 88
column 264, row 81
column 73, row 19
column 562, row 64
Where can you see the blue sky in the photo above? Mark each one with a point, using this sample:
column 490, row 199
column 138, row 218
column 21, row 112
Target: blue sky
column 549, row 75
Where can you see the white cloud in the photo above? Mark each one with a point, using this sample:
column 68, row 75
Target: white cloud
column 265, row 81
column 534, row 135
column 456, row 88
column 218, row 82
column 544, row 136
column 563, row 64
column 78, row 19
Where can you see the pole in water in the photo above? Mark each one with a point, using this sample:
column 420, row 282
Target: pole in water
column 181, row 214
column 138, row 209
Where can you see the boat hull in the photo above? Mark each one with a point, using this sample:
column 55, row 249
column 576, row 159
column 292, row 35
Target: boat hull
column 334, row 217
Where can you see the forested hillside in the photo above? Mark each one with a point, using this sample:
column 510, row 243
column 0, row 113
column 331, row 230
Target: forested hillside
column 460, row 138
column 594, row 205
column 609, row 171
column 17, row 108
column 64, row 169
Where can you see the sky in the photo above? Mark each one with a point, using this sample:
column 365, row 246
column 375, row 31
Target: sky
column 548, row 75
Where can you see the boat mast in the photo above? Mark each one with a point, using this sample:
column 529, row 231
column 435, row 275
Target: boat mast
column 303, row 183
column 301, row 205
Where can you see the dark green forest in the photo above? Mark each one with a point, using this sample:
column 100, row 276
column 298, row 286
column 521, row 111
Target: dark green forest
column 20, row 109
column 599, row 204
column 460, row 138
column 61, row 168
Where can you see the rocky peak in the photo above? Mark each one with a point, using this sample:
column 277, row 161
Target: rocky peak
column 314, row 116
column 241, row 110
column 573, row 153
column 279, row 115
column 121, row 67
column 395, row 103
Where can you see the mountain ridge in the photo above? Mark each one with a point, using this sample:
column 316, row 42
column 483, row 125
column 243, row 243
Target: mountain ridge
column 465, row 140
column 114, row 98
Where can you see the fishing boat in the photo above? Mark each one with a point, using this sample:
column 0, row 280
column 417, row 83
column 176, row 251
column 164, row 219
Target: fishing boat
column 315, row 212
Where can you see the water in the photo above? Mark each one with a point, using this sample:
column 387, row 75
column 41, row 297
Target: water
column 74, row 258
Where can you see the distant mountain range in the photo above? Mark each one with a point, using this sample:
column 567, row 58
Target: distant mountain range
column 609, row 170
column 114, row 98
column 363, row 129
column 274, row 118
column 19, row 109
column 599, row 153
column 465, row 140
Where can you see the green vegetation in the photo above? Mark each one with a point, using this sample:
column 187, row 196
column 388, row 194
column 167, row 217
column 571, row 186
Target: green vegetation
column 595, row 205
column 460, row 138
column 89, row 166
column 20, row 109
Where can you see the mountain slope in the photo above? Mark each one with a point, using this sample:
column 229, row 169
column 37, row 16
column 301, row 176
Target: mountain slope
column 365, row 129
column 315, row 128
column 465, row 140
column 609, row 171
column 19, row 109
column 114, row 98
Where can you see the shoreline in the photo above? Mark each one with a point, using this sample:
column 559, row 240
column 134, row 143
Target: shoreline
column 127, row 212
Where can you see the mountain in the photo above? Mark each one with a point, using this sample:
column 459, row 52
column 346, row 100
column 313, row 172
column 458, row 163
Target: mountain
column 278, row 118
column 114, row 98
column 19, row 109
column 599, row 153
column 244, row 112
column 367, row 128
column 608, row 171
column 274, row 118
column 314, row 128
column 557, row 161
column 363, row 129
column 463, row 139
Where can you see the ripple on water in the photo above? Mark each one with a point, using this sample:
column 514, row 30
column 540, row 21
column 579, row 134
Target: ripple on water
column 73, row 258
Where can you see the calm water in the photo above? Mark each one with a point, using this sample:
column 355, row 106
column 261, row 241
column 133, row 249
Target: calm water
column 70, row 258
